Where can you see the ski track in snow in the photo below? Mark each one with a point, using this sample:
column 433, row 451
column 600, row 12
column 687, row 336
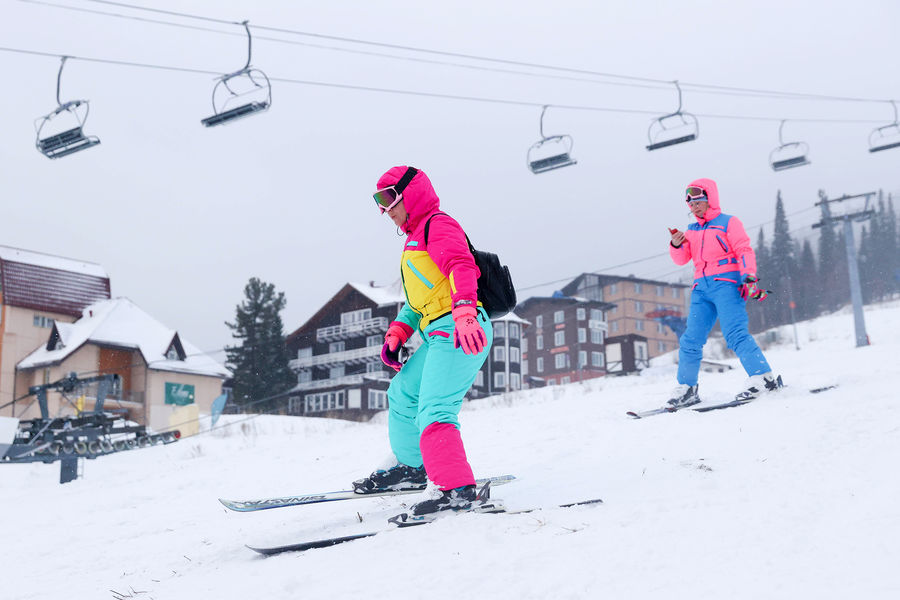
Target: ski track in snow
column 793, row 496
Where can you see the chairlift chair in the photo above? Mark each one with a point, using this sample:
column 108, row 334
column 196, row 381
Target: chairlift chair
column 788, row 155
column 550, row 152
column 675, row 128
column 240, row 94
column 61, row 132
column 886, row 136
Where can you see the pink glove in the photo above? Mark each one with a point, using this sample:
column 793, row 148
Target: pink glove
column 749, row 289
column 396, row 336
column 468, row 333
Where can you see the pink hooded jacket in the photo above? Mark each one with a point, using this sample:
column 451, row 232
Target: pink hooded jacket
column 438, row 277
column 717, row 243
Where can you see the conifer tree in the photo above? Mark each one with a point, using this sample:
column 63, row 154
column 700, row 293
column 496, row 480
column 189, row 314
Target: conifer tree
column 260, row 363
column 831, row 257
column 757, row 311
column 782, row 265
column 805, row 284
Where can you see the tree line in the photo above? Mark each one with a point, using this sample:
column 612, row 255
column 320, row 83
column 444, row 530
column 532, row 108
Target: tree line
column 809, row 280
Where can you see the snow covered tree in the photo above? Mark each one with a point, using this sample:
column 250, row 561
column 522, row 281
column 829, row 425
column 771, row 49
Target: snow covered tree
column 806, row 284
column 781, row 268
column 756, row 311
column 833, row 278
column 260, row 362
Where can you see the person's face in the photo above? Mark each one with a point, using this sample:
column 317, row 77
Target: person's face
column 698, row 207
column 398, row 214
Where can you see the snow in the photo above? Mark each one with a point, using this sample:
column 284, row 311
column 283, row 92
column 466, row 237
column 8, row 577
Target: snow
column 50, row 261
column 381, row 295
column 792, row 496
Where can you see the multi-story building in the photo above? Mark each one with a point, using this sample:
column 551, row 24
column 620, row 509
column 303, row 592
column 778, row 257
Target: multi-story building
column 502, row 371
column 565, row 341
column 164, row 381
column 636, row 302
column 338, row 354
column 37, row 291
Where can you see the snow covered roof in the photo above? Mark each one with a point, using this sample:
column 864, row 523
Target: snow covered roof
column 382, row 296
column 513, row 318
column 120, row 323
column 50, row 283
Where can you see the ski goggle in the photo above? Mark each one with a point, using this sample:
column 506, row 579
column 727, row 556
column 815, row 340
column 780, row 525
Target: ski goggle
column 387, row 198
column 695, row 193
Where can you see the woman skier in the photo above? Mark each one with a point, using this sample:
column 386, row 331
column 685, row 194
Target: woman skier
column 440, row 282
column 724, row 277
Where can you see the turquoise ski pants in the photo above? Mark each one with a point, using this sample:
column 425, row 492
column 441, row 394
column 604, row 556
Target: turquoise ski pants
column 431, row 385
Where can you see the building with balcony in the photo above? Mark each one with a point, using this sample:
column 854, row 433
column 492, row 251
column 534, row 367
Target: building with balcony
column 642, row 306
column 337, row 354
column 164, row 381
column 565, row 341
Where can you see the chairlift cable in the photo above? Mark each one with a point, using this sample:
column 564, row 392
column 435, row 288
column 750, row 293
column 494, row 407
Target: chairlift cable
column 631, row 78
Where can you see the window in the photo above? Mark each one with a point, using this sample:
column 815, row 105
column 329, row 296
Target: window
column 580, row 314
column 525, row 368
column 551, row 381
column 660, row 290
column 513, row 330
column 304, row 375
column 559, row 338
column 539, row 342
column 499, row 380
column 499, row 330
column 515, row 381
column 373, row 367
column 612, row 288
column 514, row 355
column 335, row 372
column 565, row 380
column 596, row 336
column 660, row 328
column 356, row 316
column 479, row 379
column 560, row 360
column 172, row 353
column 614, row 309
column 614, row 326
column 638, row 288
column 676, row 293
column 540, row 364
column 42, row 321
column 582, row 359
column 639, row 306
column 596, row 314
column 661, row 346
column 539, row 321
column 336, row 346
column 324, row 401
column 559, row 316
column 500, row 353
column 374, row 340
column 524, row 344
column 640, row 351
column 597, row 359
column 377, row 399
column 304, row 352
column 638, row 325
column 582, row 335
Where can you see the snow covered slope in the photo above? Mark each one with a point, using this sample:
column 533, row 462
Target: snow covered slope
column 793, row 496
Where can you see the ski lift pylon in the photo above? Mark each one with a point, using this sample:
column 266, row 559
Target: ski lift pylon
column 550, row 152
column 788, row 155
column 241, row 93
column 61, row 132
column 675, row 128
column 886, row 136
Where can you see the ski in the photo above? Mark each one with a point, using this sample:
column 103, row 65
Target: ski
column 398, row 523
column 708, row 407
column 300, row 499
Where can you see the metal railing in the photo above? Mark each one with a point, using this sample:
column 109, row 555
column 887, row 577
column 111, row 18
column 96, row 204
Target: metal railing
column 358, row 355
column 349, row 330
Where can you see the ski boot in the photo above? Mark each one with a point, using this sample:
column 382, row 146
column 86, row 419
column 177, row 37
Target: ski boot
column 398, row 477
column 756, row 385
column 684, row 395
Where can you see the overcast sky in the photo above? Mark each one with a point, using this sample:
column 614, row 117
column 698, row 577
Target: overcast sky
column 181, row 216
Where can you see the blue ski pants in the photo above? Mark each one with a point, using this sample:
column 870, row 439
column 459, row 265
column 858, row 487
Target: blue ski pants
column 718, row 297
column 431, row 386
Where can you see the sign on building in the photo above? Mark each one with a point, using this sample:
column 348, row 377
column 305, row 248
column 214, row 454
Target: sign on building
column 179, row 394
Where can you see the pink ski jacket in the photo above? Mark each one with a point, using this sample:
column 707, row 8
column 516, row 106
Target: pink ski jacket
column 717, row 243
column 436, row 278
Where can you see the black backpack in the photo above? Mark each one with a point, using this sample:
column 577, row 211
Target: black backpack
column 495, row 286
